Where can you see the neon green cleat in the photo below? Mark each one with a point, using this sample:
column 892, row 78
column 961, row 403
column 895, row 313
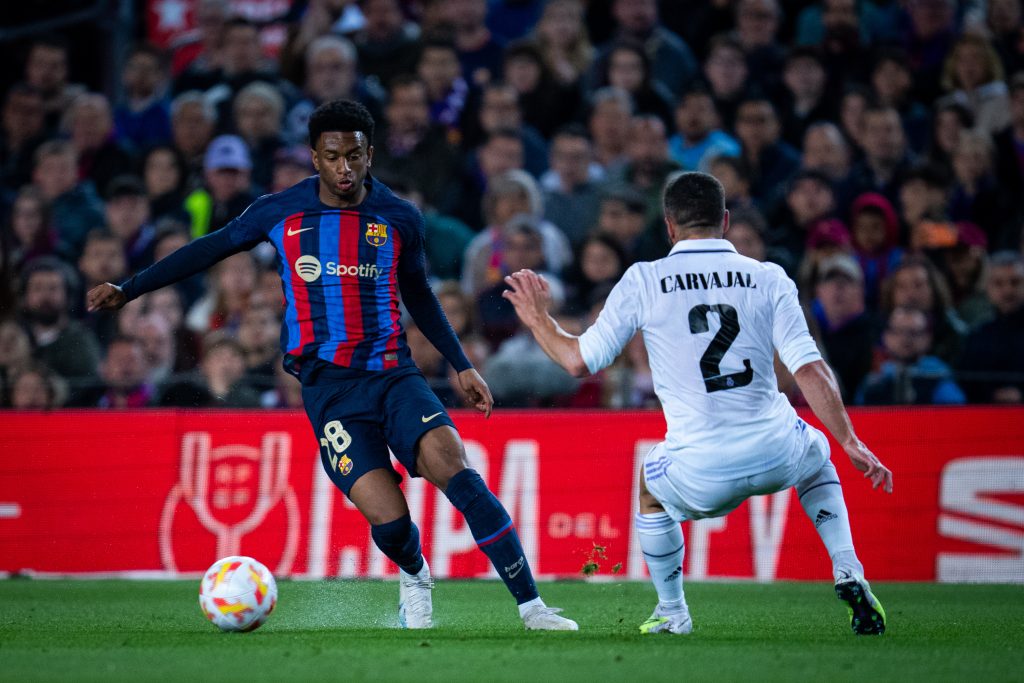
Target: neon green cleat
column 678, row 623
column 867, row 616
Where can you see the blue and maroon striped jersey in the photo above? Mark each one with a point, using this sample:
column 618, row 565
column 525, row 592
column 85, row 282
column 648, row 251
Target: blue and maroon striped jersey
column 341, row 270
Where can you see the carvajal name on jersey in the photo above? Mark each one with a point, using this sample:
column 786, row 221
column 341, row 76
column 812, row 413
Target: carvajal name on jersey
column 686, row 281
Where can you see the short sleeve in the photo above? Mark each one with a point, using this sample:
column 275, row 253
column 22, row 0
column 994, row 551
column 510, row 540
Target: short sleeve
column 619, row 321
column 790, row 335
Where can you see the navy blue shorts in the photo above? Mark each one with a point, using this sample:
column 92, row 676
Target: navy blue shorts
column 356, row 415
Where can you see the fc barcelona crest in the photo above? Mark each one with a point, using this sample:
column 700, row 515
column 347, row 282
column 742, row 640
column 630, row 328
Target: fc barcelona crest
column 377, row 234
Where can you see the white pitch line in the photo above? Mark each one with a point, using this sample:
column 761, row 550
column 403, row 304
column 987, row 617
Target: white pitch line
column 10, row 511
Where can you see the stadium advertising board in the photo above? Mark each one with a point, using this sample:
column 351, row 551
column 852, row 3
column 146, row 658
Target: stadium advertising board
column 169, row 491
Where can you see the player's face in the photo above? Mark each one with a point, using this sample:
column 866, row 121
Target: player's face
column 342, row 159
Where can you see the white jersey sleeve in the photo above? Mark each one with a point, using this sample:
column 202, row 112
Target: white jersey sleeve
column 790, row 335
column 620, row 319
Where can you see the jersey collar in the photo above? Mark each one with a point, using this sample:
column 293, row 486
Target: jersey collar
column 702, row 246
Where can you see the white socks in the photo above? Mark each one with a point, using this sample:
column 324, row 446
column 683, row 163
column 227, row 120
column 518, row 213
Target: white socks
column 822, row 499
column 661, row 540
column 525, row 607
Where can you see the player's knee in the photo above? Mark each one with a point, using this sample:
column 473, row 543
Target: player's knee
column 440, row 455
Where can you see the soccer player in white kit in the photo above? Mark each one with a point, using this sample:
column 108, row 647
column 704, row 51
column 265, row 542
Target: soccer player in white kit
column 712, row 321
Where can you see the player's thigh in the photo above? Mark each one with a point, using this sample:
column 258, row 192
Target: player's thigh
column 419, row 430
column 683, row 492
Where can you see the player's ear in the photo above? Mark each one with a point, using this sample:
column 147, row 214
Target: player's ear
column 369, row 156
column 670, row 229
column 316, row 159
column 725, row 223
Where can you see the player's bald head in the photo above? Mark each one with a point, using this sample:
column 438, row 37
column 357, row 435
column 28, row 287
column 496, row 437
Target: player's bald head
column 694, row 205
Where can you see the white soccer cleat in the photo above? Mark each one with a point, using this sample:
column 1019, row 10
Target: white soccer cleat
column 660, row 621
column 543, row 618
column 415, row 607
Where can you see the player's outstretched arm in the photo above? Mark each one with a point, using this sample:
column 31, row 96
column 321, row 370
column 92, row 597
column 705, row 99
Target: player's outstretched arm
column 531, row 296
column 819, row 387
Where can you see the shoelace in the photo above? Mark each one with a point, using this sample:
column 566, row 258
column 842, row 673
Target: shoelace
column 538, row 611
column 417, row 599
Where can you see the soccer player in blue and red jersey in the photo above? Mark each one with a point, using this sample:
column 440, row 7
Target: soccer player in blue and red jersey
column 347, row 247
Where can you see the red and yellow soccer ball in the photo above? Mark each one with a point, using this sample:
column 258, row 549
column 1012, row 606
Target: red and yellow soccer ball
column 237, row 593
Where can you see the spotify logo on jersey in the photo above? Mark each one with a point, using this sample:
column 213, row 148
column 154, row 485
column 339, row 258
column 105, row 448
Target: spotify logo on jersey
column 308, row 267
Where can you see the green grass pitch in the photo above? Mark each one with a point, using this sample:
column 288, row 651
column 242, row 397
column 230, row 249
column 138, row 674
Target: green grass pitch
column 346, row 631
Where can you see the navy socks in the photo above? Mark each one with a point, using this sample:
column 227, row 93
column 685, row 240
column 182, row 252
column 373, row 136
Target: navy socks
column 400, row 541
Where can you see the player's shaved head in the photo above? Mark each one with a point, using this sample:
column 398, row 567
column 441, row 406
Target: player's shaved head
column 694, row 205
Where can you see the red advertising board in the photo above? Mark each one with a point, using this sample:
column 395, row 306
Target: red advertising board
column 137, row 493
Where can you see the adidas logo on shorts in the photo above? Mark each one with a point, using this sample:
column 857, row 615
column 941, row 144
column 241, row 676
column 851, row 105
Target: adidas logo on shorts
column 823, row 516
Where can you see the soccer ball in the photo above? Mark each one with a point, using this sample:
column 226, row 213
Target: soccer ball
column 237, row 593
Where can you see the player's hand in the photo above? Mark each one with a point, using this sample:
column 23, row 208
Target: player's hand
column 477, row 390
column 105, row 297
column 866, row 461
column 531, row 296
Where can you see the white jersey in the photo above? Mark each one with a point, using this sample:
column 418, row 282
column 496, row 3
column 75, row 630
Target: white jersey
column 711, row 321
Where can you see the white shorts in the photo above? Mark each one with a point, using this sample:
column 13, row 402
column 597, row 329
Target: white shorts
column 686, row 493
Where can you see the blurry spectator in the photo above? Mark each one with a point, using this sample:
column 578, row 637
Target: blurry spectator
column 202, row 46
column 156, row 339
column 872, row 22
column 31, row 233
column 313, row 20
column 826, row 150
column 479, row 50
column 976, row 196
column 64, row 345
column 949, row 122
column 909, row 375
column 227, row 170
column 292, row 165
column 509, row 194
column 875, row 230
column 331, row 74
column 287, row 391
column 852, row 104
column 241, row 62
column 916, row 283
column 15, row 352
column 1004, row 24
column 171, row 236
column 74, row 207
column 928, row 34
column 35, row 387
column 571, row 203
column 166, row 304
column 230, row 284
column 46, row 70
column 841, row 323
column 891, row 81
column 623, row 217
column 430, row 362
column 973, row 75
column 102, row 260
column 511, row 19
column 843, row 44
column 447, row 90
column 521, row 374
column 192, row 122
column 1008, row 142
column 123, row 373
column 610, row 112
column 219, row 382
column 259, row 334
column 388, row 44
column 408, row 144
column 671, row 61
column 746, row 232
column 90, row 126
column 771, row 161
column 258, row 114
column 804, row 79
column 546, row 103
column 922, row 196
column 826, row 238
column 499, row 111
column 127, row 214
column 164, row 175
column 757, row 23
column 562, row 39
column 21, row 131
column 500, row 153
column 735, row 178
column 886, row 155
column 143, row 118
column 964, row 264
column 725, row 70
column 699, row 138
column 993, row 364
column 647, row 162
column 446, row 237
column 809, row 198
column 600, row 261
column 627, row 67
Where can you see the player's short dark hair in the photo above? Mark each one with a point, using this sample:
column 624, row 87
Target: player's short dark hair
column 695, row 202
column 347, row 116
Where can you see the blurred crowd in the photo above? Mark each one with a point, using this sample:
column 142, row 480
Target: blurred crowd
column 872, row 148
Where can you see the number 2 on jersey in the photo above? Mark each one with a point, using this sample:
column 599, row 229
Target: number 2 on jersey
column 711, row 361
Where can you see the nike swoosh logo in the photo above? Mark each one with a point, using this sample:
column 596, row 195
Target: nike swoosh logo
column 296, row 232
column 514, row 574
column 428, row 419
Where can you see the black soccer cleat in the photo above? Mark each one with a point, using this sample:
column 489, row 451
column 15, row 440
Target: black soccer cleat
column 867, row 616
